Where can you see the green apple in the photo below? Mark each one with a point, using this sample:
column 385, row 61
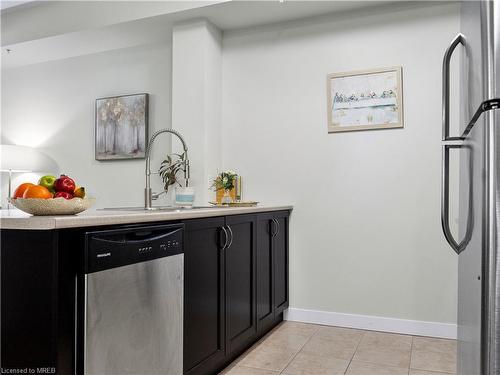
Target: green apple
column 48, row 181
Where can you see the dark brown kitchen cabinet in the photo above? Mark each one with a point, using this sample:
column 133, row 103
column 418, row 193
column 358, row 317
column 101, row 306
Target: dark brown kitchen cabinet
column 241, row 324
column 265, row 290
column 236, row 286
column 235, row 291
column 220, row 295
column 272, row 268
column 204, row 302
column 28, row 289
column 280, row 262
column 37, row 304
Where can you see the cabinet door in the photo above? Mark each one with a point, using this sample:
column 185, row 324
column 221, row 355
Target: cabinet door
column 280, row 263
column 266, row 228
column 28, row 293
column 204, row 341
column 240, row 282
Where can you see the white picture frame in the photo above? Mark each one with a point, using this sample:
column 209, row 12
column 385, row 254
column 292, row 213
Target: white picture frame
column 365, row 100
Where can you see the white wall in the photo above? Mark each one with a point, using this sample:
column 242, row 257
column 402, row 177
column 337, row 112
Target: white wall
column 196, row 99
column 365, row 232
column 50, row 106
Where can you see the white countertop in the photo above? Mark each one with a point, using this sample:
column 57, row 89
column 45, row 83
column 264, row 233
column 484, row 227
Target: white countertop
column 16, row 219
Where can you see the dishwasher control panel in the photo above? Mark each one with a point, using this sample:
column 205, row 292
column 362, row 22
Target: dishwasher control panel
column 120, row 247
column 165, row 246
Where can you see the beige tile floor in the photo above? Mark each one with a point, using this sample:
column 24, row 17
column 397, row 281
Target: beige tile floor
column 309, row 349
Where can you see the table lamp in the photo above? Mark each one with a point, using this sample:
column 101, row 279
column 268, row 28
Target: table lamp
column 22, row 159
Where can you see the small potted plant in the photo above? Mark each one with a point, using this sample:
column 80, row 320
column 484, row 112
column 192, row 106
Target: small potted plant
column 184, row 195
column 225, row 181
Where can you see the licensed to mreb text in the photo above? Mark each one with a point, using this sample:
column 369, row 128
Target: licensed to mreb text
column 28, row 370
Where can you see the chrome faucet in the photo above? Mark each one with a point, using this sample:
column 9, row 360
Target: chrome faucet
column 149, row 196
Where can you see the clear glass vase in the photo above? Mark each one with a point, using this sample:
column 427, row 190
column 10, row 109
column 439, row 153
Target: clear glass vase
column 184, row 197
column 226, row 198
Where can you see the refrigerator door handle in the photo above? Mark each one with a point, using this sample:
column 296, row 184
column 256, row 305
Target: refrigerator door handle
column 458, row 247
column 459, row 39
column 485, row 106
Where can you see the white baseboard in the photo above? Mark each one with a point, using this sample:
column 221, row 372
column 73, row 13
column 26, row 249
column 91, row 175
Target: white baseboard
column 373, row 323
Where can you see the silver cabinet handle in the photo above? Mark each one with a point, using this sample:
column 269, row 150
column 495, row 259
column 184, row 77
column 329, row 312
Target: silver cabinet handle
column 273, row 227
column 225, row 237
column 458, row 247
column 231, row 234
column 277, row 226
column 459, row 39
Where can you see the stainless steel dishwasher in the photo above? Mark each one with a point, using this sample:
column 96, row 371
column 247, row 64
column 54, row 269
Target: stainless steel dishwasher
column 133, row 302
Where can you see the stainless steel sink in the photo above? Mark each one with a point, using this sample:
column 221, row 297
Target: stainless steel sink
column 158, row 208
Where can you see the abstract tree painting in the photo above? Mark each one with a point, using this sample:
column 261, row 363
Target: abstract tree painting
column 121, row 127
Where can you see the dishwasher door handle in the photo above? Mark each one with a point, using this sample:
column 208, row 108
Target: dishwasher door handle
column 143, row 240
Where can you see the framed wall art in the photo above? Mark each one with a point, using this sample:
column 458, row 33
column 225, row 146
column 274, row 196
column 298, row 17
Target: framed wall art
column 121, row 127
column 365, row 100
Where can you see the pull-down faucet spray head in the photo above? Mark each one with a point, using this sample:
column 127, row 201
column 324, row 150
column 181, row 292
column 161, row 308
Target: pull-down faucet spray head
column 148, row 194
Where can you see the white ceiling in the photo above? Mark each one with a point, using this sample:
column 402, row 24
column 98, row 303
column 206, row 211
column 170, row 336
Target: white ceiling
column 43, row 19
column 227, row 15
column 242, row 14
column 5, row 4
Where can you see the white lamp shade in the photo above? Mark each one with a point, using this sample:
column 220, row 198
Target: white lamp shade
column 25, row 159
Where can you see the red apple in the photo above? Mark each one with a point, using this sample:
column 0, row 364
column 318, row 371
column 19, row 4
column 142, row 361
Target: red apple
column 65, row 184
column 63, row 194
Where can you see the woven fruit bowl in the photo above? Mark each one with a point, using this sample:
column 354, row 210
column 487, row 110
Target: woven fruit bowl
column 52, row 206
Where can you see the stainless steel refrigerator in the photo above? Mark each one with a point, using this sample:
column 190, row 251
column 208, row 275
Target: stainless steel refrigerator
column 477, row 141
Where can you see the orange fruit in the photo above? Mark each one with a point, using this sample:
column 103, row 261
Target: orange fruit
column 19, row 192
column 37, row 191
column 80, row 192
